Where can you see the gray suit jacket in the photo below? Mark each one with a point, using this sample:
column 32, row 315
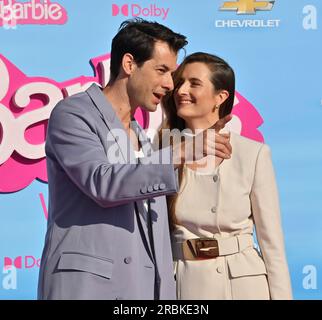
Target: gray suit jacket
column 95, row 247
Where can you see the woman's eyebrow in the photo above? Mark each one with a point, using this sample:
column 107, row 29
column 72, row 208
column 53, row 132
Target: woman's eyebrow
column 195, row 79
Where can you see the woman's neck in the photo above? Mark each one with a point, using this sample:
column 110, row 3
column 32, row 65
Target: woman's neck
column 196, row 125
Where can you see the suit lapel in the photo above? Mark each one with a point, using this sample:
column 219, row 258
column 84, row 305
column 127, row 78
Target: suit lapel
column 143, row 222
column 147, row 149
column 115, row 126
column 143, row 138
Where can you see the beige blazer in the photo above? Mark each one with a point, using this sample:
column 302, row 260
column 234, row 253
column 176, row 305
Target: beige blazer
column 241, row 194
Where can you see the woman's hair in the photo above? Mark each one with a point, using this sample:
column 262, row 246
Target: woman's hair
column 221, row 76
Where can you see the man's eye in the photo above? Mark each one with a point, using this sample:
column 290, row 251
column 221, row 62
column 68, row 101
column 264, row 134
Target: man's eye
column 161, row 71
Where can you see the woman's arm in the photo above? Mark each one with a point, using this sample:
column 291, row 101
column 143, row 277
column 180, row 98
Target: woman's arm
column 266, row 213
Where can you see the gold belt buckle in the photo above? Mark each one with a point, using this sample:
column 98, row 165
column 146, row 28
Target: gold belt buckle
column 207, row 248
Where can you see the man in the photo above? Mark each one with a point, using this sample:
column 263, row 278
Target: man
column 108, row 233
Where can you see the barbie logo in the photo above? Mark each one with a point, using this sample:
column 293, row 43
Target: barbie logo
column 25, row 107
column 246, row 119
column 33, row 12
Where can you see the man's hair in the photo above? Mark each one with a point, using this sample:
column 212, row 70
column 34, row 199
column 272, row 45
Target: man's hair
column 137, row 37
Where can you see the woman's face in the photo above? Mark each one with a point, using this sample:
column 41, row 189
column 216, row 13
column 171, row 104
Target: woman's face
column 195, row 96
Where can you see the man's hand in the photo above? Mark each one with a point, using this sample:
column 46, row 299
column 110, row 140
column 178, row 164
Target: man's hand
column 208, row 142
column 222, row 144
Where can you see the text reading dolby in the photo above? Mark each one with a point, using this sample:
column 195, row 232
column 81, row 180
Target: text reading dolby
column 135, row 10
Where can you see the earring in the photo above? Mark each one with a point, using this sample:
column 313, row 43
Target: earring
column 215, row 107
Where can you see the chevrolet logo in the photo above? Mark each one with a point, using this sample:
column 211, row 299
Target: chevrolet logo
column 247, row 6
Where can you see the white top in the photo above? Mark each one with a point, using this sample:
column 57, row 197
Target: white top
column 140, row 154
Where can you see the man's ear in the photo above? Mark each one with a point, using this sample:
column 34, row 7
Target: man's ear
column 128, row 64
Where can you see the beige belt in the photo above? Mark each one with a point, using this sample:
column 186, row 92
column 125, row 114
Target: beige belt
column 210, row 248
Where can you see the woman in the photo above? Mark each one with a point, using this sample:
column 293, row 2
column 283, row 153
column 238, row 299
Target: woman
column 220, row 201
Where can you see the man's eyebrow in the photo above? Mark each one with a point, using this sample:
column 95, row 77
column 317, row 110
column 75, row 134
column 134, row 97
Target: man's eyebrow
column 163, row 66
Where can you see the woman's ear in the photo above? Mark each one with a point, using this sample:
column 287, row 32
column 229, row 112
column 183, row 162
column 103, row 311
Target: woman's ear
column 222, row 96
column 128, row 64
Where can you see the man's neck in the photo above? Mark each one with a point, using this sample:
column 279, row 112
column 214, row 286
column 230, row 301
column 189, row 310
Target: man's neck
column 117, row 96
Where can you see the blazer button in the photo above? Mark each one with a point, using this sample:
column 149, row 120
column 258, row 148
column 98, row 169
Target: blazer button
column 215, row 178
column 156, row 187
column 128, row 260
column 220, row 269
column 150, row 189
column 144, row 190
column 162, row 186
column 213, row 209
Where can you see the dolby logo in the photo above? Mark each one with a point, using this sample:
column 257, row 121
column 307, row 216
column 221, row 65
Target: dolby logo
column 135, row 10
column 27, row 262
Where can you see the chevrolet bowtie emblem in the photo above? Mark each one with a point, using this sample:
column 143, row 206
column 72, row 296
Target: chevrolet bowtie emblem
column 247, row 6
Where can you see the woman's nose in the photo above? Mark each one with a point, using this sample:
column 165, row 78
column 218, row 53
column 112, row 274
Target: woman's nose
column 182, row 89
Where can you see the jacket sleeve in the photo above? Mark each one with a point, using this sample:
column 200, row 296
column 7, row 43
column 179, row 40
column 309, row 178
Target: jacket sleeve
column 266, row 213
column 73, row 143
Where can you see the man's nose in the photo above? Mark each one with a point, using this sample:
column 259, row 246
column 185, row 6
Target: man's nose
column 168, row 83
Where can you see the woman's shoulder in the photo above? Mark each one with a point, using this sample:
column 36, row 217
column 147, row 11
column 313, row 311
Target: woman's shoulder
column 247, row 147
column 244, row 142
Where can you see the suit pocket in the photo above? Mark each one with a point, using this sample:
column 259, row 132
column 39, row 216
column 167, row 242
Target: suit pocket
column 86, row 263
column 248, row 276
column 246, row 263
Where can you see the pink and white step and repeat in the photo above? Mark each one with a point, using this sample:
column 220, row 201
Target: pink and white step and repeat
column 50, row 50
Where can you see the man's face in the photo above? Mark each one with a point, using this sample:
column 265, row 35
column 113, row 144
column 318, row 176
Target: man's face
column 150, row 82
